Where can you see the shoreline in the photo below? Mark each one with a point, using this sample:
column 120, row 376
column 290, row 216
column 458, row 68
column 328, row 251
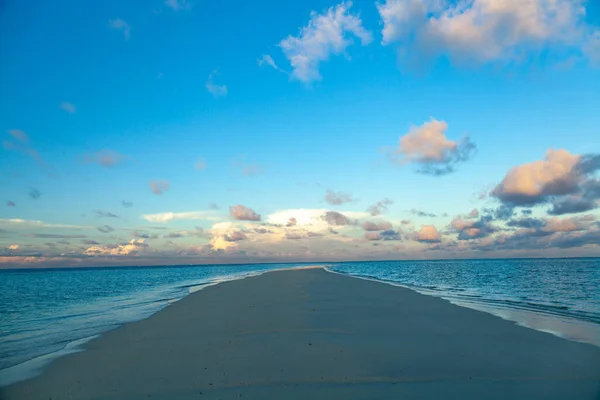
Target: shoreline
column 296, row 321
column 35, row 366
column 537, row 321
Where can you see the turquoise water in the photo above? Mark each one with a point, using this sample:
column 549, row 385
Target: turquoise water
column 44, row 312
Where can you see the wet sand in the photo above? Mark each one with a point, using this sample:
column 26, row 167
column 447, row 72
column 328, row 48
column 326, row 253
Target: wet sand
column 311, row 334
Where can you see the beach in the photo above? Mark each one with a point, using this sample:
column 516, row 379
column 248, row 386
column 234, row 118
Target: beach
column 309, row 333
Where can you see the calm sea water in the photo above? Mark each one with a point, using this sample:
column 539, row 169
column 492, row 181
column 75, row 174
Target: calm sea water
column 45, row 313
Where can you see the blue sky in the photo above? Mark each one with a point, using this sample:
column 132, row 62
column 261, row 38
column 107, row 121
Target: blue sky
column 282, row 102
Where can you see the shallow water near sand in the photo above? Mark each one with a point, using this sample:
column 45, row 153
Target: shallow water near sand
column 46, row 313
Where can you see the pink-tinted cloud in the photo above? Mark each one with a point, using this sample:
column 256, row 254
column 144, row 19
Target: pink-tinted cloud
column 159, row 187
column 243, row 213
column 380, row 207
column 428, row 147
column 376, row 226
column 337, row 198
column 428, row 234
column 106, row 158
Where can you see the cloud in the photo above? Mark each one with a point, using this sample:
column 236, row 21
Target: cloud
column 427, row 147
column 106, row 158
column 427, row 234
column 420, row 213
column 10, row 204
column 248, row 169
column 235, row 236
column 177, row 5
column 13, row 247
column 200, row 164
column 20, row 142
column 127, row 204
column 526, row 222
column 380, row 207
column 292, row 222
column 174, row 235
column 19, row 135
column 325, row 35
column 54, row 236
column 105, row 228
column 35, row 194
column 337, row 198
column 474, row 213
column 562, row 178
column 173, row 216
column 89, row 242
column 389, row 234
column 213, row 206
column 213, row 88
column 266, row 59
column 469, row 229
column 68, row 107
column 376, row 226
column 487, row 31
column 159, row 187
column 240, row 212
column 120, row 25
column 134, row 246
column 29, row 223
column 335, row 218
column 105, row 214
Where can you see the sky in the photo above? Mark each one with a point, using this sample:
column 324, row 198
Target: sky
column 191, row 132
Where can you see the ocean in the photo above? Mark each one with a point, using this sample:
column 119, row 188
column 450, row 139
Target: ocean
column 47, row 313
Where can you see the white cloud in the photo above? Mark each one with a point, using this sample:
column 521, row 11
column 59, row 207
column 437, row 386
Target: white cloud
column 120, row 25
column 134, row 246
column 325, row 34
column 213, row 88
column 484, row 30
column 172, row 216
column 266, row 59
column 13, row 247
column 30, row 223
column 68, row 107
column 177, row 5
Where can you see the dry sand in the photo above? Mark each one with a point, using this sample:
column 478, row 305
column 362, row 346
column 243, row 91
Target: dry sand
column 310, row 334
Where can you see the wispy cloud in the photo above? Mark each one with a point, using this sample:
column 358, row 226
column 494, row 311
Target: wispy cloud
column 127, row 204
column 337, row 198
column 267, row 60
column 178, row 5
column 105, row 158
column 11, row 204
column 105, row 228
column 173, row 216
column 120, row 25
column 215, row 89
column 105, row 214
column 20, row 142
column 35, row 194
column 421, row 213
column 380, row 207
column 68, row 107
column 159, row 187
column 326, row 34
column 200, row 164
